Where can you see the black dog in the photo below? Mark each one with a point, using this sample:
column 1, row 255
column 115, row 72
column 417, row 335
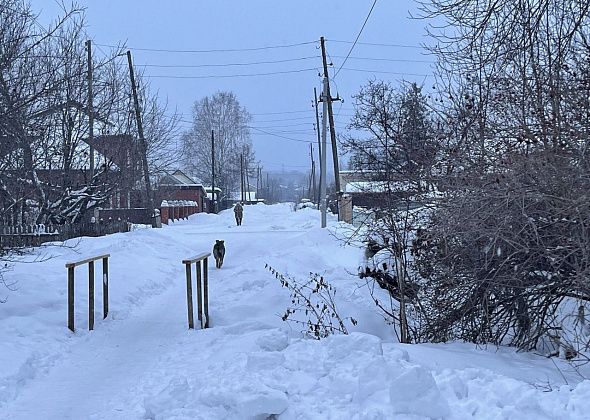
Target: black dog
column 218, row 253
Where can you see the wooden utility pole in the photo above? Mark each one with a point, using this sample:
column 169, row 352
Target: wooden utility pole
column 317, row 124
column 242, row 176
column 142, row 143
column 332, row 129
column 213, row 201
column 314, row 191
column 312, row 174
column 323, row 161
column 258, row 180
column 90, row 109
column 247, row 180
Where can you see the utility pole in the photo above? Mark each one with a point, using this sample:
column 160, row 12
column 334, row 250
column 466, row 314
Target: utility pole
column 142, row 143
column 314, row 190
column 90, row 109
column 332, row 129
column 323, row 161
column 258, row 181
column 213, row 201
column 247, row 180
column 242, row 176
column 312, row 174
column 320, row 150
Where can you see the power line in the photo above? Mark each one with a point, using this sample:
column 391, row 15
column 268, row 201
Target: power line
column 281, row 112
column 227, row 64
column 278, row 135
column 288, row 125
column 387, row 72
column 283, row 119
column 287, row 166
column 357, row 38
column 292, row 131
column 225, row 76
column 394, row 60
column 373, row 44
column 268, row 47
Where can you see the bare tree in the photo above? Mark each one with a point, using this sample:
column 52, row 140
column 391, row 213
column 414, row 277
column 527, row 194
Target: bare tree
column 505, row 247
column 396, row 157
column 222, row 114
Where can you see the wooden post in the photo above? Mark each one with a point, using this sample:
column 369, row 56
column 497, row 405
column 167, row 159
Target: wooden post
column 212, row 172
column 329, row 99
column 189, row 296
column 105, row 287
column 142, row 142
column 90, row 109
column 91, row 295
column 206, row 290
column 317, row 123
column 71, row 298
column 242, row 177
column 199, row 293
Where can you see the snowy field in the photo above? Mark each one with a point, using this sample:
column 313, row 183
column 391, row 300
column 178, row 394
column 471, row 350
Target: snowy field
column 143, row 363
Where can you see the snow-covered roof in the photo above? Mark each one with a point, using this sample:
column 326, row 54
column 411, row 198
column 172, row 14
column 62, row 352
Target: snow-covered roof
column 208, row 188
column 374, row 186
column 179, row 178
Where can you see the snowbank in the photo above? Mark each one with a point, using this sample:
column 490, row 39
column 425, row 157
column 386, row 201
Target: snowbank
column 143, row 363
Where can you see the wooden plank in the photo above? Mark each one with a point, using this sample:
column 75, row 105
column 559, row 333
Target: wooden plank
column 196, row 258
column 71, row 298
column 87, row 260
column 105, row 287
column 206, row 290
column 199, row 293
column 189, row 297
column 91, row 295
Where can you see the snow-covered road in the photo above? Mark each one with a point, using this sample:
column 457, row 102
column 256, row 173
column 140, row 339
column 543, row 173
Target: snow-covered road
column 143, row 362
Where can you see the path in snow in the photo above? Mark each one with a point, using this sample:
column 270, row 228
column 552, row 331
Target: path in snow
column 113, row 358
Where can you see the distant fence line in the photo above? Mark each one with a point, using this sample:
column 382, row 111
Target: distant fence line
column 19, row 236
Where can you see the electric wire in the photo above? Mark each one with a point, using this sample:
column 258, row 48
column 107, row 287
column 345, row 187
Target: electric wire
column 267, row 47
column 227, row 64
column 357, row 38
column 225, row 76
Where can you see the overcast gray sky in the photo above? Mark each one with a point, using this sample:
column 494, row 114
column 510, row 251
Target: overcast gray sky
column 279, row 94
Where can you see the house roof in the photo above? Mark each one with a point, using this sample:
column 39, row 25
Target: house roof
column 375, row 186
column 180, row 179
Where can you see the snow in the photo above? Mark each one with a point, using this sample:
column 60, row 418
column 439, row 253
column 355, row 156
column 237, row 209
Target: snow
column 142, row 362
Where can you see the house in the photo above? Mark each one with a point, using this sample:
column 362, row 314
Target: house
column 123, row 151
column 209, row 190
column 249, row 197
column 179, row 186
column 366, row 191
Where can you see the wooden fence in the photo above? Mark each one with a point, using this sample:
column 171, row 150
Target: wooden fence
column 21, row 236
column 202, row 290
column 105, row 289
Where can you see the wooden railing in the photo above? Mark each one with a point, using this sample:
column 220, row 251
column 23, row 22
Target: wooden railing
column 202, row 292
column 105, row 289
